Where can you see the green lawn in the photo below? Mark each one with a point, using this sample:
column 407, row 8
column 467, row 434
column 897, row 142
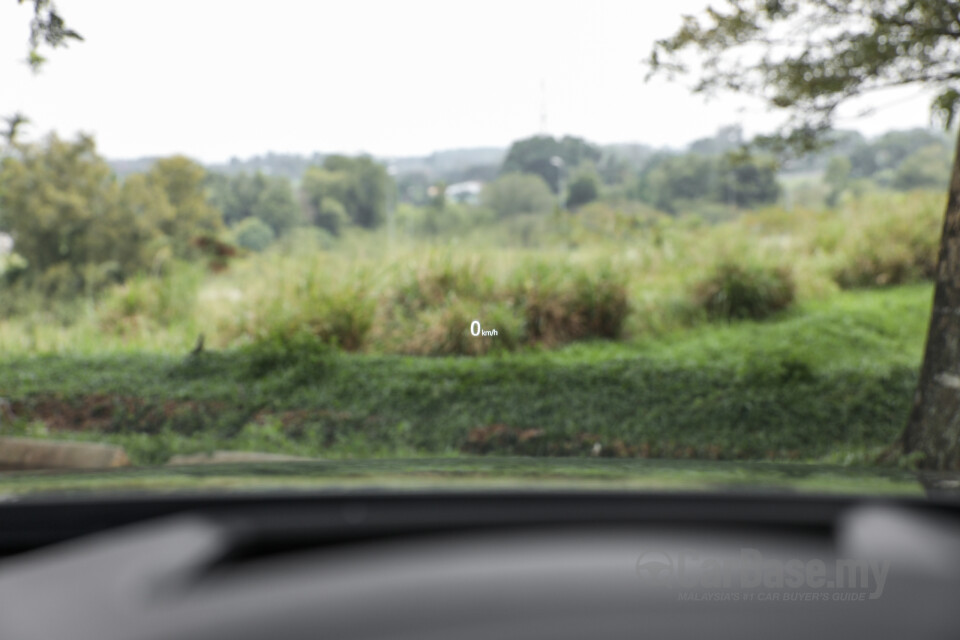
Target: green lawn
column 830, row 382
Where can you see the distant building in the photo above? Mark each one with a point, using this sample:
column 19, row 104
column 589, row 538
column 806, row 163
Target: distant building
column 465, row 192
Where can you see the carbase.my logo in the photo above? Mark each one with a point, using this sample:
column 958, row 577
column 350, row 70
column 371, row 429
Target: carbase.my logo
column 750, row 570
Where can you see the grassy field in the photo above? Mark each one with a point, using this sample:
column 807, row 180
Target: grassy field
column 604, row 272
column 782, row 336
column 830, row 382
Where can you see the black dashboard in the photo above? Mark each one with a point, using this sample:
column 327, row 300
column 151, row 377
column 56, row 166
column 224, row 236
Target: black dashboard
column 508, row 564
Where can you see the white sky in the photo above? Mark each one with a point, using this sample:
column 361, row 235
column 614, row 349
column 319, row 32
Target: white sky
column 221, row 78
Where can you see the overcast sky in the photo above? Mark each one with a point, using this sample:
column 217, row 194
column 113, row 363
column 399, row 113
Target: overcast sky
column 221, row 78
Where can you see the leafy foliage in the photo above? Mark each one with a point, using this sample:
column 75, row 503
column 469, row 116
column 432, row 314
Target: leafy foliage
column 189, row 215
column 535, row 155
column 81, row 230
column 48, row 28
column 736, row 178
column 584, row 187
column 808, row 57
column 927, row 168
column 514, row 194
column 359, row 185
column 270, row 199
column 746, row 181
column 253, row 234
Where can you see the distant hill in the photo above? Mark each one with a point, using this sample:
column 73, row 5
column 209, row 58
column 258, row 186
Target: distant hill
column 123, row 168
column 483, row 163
column 449, row 165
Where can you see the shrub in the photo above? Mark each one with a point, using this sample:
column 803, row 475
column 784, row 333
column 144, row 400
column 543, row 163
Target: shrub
column 517, row 193
column 286, row 347
column 563, row 304
column 584, row 188
column 77, row 230
column 144, row 300
column 253, row 234
column 733, row 291
column 340, row 318
column 895, row 243
column 331, row 216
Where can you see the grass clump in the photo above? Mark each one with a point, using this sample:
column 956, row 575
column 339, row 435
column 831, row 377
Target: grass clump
column 146, row 302
column 337, row 312
column 341, row 319
column 279, row 350
column 894, row 243
column 434, row 283
column 431, row 307
column 735, row 291
column 446, row 330
column 565, row 304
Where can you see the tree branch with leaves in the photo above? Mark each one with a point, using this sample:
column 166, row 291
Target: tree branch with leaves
column 47, row 29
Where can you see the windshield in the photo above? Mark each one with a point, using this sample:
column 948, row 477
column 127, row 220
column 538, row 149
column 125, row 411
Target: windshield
column 317, row 244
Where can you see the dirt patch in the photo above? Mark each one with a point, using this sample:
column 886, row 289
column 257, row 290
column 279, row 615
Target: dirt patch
column 501, row 439
column 106, row 413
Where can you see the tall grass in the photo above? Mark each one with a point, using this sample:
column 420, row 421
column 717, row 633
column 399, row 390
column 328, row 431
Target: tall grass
column 606, row 272
column 889, row 247
column 733, row 291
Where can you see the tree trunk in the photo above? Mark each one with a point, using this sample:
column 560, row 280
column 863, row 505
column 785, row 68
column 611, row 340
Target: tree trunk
column 934, row 425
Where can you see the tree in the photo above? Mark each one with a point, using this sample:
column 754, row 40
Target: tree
column 808, row 57
column 367, row 185
column 515, row 194
column 79, row 230
column 584, row 187
column 927, row 168
column 744, row 180
column 332, row 216
column 253, row 234
column 359, row 184
column 235, row 196
column 613, row 168
column 837, row 178
column 48, row 28
column 534, row 155
column 323, row 192
column 189, row 216
column 277, row 207
column 737, row 178
column 670, row 179
column 269, row 198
